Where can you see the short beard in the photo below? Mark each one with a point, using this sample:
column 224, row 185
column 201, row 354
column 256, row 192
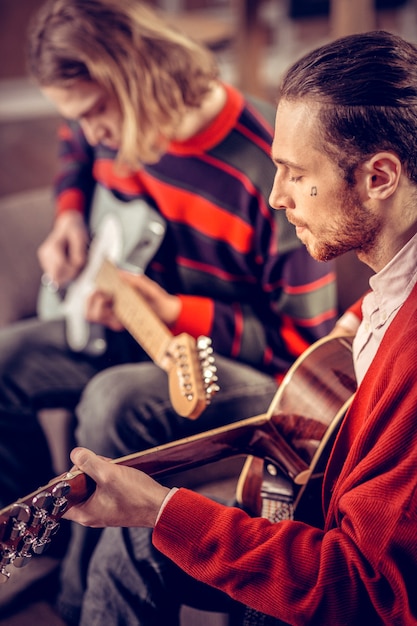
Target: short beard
column 357, row 230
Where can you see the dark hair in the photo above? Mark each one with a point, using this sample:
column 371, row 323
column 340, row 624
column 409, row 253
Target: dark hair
column 366, row 86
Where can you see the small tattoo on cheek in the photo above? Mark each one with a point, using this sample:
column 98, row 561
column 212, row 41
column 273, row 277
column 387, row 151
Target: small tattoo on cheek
column 313, row 191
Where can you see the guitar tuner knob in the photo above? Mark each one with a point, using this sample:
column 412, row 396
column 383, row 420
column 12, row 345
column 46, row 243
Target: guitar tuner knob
column 206, row 354
column 203, row 342
column 38, row 518
column 208, row 360
column 209, row 372
column 40, row 545
column 211, row 390
column 51, row 528
column 4, row 575
column 61, row 489
column 18, row 530
column 6, row 557
column 42, row 500
column 20, row 512
column 59, row 506
column 24, row 555
column 22, row 560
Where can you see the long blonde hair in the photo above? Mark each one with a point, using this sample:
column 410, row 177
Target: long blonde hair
column 155, row 72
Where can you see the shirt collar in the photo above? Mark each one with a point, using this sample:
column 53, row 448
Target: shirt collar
column 393, row 284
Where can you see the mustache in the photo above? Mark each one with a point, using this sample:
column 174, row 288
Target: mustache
column 294, row 222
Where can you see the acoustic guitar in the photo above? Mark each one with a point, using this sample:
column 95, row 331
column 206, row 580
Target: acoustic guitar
column 293, row 434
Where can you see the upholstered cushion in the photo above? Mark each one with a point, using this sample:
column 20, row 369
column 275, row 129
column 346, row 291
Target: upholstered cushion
column 25, row 219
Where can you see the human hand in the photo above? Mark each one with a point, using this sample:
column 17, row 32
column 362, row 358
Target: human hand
column 100, row 310
column 165, row 305
column 64, row 252
column 123, row 496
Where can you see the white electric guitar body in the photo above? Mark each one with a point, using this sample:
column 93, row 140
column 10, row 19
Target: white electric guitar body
column 126, row 233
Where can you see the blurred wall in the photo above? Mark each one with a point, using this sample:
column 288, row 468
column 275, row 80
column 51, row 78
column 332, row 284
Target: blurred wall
column 15, row 17
column 14, row 20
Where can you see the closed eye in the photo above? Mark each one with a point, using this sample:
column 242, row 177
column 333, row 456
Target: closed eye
column 295, row 179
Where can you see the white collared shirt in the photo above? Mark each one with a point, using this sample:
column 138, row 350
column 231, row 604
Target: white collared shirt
column 390, row 289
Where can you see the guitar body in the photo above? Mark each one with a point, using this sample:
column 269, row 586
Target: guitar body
column 307, row 410
column 127, row 233
column 293, row 436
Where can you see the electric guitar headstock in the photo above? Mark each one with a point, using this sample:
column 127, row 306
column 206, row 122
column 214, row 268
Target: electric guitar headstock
column 192, row 374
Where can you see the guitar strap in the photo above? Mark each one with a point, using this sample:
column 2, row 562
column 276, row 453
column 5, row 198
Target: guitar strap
column 277, row 496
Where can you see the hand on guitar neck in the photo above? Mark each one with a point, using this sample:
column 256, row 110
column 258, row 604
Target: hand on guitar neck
column 189, row 363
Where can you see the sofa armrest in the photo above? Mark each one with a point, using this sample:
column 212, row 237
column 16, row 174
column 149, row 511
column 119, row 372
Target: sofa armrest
column 26, row 219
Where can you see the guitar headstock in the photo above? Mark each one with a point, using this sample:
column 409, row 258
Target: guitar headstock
column 192, row 375
column 28, row 525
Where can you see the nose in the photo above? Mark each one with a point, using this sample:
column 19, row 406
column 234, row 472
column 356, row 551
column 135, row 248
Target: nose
column 279, row 197
column 93, row 131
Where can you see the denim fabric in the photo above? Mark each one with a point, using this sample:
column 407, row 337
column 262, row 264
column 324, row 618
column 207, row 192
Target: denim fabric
column 132, row 584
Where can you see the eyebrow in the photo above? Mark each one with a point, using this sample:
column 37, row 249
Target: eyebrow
column 287, row 163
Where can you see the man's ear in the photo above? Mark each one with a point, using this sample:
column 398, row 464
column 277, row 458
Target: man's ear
column 382, row 174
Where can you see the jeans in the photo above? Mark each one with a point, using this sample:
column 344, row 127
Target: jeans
column 132, row 584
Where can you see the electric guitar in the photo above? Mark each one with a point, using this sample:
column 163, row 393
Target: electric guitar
column 129, row 233
column 293, row 435
column 189, row 363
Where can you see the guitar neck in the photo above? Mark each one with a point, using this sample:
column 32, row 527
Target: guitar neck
column 250, row 436
column 245, row 437
column 136, row 315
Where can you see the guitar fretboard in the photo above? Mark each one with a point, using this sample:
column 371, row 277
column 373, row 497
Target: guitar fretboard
column 136, row 315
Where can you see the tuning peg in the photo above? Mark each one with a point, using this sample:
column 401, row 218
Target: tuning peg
column 210, row 391
column 204, row 346
column 203, row 342
column 42, row 500
column 6, row 557
column 209, row 374
column 20, row 512
column 40, row 545
column 24, row 556
column 4, row 575
column 60, row 501
column 61, row 489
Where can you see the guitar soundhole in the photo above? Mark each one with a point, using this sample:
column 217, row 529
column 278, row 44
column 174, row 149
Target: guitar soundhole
column 30, row 527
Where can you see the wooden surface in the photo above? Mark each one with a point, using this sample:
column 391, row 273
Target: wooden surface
column 351, row 16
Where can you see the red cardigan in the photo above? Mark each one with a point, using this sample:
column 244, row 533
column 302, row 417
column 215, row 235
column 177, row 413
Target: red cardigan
column 362, row 569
